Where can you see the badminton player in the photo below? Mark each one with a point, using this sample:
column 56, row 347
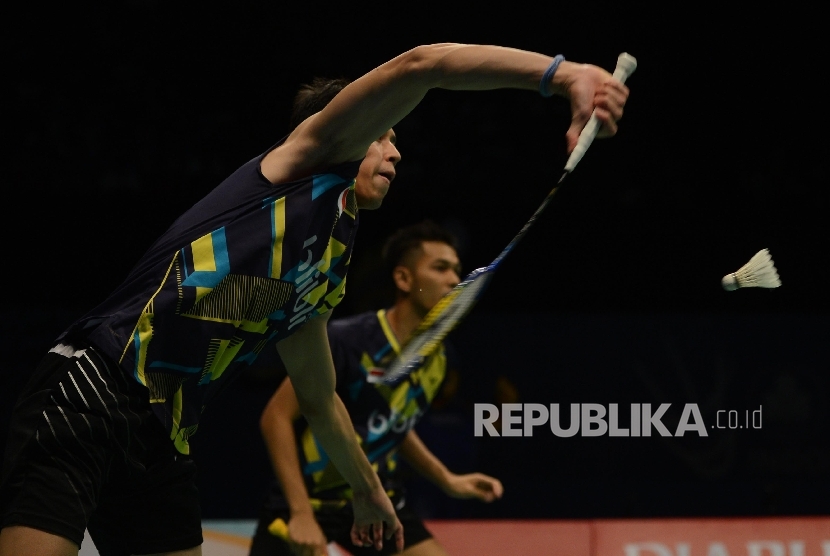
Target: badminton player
column 310, row 495
column 99, row 437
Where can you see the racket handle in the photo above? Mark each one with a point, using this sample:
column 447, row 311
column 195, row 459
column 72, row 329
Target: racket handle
column 279, row 528
column 626, row 64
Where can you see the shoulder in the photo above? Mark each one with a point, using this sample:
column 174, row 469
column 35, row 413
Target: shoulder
column 277, row 174
column 352, row 324
column 299, row 156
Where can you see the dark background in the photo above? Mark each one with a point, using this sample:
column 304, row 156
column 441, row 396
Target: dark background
column 119, row 118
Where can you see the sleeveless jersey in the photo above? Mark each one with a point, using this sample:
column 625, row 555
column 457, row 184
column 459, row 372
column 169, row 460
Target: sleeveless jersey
column 242, row 269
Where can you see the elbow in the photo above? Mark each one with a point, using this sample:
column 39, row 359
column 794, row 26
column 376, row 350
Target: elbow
column 266, row 421
column 318, row 405
column 312, row 409
column 273, row 417
column 424, row 62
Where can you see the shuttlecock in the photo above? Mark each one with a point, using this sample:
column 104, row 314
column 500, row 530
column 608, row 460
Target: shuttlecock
column 759, row 272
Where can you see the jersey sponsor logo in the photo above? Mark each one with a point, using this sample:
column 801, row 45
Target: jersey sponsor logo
column 379, row 424
column 308, row 278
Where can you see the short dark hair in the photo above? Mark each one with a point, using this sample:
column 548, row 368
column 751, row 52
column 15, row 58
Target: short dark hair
column 409, row 238
column 313, row 97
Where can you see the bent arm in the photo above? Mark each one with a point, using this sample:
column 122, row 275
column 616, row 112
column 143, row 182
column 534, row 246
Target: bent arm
column 470, row 485
column 422, row 460
column 378, row 100
column 276, row 424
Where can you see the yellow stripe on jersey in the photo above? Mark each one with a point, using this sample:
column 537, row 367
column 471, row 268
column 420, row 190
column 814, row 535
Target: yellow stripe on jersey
column 278, row 234
column 314, row 295
column 432, row 374
column 225, row 352
column 398, row 398
column 310, row 451
column 334, row 297
column 144, row 329
column 366, row 362
column 202, row 251
column 333, row 250
column 387, row 331
column 179, row 440
column 203, row 260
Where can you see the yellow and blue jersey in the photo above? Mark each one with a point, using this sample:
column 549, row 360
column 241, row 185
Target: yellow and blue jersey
column 382, row 415
column 239, row 271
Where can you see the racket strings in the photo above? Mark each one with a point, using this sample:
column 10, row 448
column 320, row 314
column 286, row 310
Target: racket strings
column 426, row 339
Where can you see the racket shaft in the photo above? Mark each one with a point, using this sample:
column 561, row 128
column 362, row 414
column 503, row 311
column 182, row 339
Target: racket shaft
column 446, row 315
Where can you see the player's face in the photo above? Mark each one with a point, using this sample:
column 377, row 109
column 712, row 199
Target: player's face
column 377, row 171
column 435, row 272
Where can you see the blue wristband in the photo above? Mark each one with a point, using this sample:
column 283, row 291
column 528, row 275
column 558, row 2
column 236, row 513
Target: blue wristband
column 548, row 75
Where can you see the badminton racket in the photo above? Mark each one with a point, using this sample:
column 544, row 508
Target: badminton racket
column 279, row 528
column 456, row 304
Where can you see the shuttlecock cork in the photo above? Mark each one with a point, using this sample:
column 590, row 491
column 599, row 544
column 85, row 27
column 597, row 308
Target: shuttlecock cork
column 759, row 272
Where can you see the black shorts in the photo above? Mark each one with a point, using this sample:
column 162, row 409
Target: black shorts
column 86, row 451
column 337, row 526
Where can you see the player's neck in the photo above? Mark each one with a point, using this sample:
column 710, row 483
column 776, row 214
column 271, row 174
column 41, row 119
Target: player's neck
column 404, row 319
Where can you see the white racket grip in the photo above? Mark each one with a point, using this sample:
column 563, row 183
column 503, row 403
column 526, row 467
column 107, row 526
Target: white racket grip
column 626, row 64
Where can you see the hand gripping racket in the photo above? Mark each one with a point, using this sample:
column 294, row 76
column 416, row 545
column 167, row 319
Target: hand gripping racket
column 449, row 311
column 279, row 528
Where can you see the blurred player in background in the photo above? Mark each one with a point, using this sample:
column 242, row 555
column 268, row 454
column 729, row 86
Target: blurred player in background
column 310, row 495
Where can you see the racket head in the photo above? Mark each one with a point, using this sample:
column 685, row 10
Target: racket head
column 438, row 322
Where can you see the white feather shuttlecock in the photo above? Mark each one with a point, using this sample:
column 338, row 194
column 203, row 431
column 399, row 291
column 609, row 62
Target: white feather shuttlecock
column 759, row 272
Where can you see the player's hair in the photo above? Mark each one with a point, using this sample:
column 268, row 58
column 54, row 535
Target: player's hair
column 314, row 96
column 409, row 238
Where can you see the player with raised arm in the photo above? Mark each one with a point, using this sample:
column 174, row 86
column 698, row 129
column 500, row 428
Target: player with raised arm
column 99, row 436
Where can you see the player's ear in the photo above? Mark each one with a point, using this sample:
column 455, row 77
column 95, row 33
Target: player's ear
column 402, row 278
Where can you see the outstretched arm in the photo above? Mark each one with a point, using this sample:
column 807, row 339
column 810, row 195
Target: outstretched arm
column 307, row 358
column 470, row 485
column 378, row 100
column 277, row 426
